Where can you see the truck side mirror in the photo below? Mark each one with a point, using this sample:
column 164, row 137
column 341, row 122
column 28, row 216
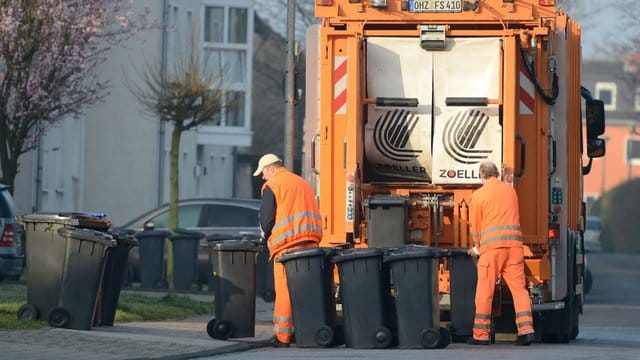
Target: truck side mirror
column 595, row 147
column 595, row 118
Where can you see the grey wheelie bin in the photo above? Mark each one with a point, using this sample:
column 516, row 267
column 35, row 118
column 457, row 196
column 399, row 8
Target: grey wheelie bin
column 310, row 282
column 265, row 287
column 414, row 274
column 264, row 268
column 151, row 244
column 85, row 252
column 365, row 291
column 114, row 274
column 464, row 276
column 46, row 252
column 186, row 245
column 234, row 271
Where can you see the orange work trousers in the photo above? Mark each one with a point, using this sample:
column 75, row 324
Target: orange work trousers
column 508, row 262
column 282, row 314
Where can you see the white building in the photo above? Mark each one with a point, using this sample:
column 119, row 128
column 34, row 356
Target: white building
column 115, row 159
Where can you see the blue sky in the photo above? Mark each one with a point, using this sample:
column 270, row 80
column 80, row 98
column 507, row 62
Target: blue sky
column 600, row 26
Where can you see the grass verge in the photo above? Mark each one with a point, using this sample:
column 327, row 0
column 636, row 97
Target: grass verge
column 131, row 307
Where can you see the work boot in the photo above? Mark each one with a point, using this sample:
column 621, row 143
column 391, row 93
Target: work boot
column 472, row 341
column 525, row 340
column 274, row 342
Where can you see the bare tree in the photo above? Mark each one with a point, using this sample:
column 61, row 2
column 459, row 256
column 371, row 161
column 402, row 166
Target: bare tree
column 186, row 97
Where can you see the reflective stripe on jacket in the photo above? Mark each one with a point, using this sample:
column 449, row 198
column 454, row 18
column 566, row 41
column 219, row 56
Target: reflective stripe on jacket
column 297, row 215
column 494, row 216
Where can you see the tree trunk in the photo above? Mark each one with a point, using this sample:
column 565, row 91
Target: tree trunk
column 174, row 188
column 8, row 163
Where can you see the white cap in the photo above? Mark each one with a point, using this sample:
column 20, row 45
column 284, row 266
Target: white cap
column 265, row 161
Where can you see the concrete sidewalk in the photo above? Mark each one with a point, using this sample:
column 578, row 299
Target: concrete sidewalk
column 183, row 339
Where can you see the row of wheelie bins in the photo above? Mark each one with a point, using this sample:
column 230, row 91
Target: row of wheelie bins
column 388, row 297
column 186, row 246
column 75, row 267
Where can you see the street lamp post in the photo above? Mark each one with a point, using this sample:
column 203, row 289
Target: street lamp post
column 289, row 129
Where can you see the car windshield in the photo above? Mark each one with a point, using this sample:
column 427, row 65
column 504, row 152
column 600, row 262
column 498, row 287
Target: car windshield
column 7, row 207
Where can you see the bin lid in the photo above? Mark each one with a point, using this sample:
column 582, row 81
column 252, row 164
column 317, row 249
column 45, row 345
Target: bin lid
column 352, row 254
column 302, row 253
column 123, row 236
column 79, row 219
column 47, row 218
column 219, row 237
column 386, row 199
column 412, row 252
column 185, row 234
column 88, row 235
column 236, row 245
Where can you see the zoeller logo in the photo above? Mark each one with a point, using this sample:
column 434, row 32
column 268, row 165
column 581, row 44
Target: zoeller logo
column 392, row 132
column 461, row 135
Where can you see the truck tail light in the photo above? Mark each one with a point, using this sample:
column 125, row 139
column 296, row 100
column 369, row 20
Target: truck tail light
column 554, row 233
column 7, row 236
column 547, row 2
column 324, row 2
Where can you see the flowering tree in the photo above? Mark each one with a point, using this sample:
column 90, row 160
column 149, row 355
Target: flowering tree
column 50, row 54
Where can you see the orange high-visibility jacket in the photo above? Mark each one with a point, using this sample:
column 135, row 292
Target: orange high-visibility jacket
column 494, row 216
column 297, row 217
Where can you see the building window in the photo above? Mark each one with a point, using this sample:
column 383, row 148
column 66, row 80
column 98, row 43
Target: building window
column 235, row 110
column 227, row 52
column 606, row 91
column 633, row 150
column 213, row 24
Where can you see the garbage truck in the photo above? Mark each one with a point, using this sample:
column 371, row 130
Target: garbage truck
column 404, row 100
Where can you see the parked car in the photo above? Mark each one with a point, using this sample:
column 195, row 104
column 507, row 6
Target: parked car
column 593, row 234
column 211, row 216
column 11, row 238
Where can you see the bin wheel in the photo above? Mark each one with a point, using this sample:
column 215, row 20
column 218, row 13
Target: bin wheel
column 28, row 312
column 219, row 329
column 430, row 338
column 381, row 337
column 58, row 317
column 268, row 295
column 324, row 336
column 445, row 338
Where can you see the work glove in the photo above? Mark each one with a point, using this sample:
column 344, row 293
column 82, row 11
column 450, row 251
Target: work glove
column 473, row 251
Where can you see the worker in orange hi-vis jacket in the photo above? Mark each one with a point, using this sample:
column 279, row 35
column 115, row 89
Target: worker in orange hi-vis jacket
column 290, row 220
column 497, row 239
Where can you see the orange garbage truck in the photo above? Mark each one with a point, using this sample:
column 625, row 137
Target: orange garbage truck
column 404, row 99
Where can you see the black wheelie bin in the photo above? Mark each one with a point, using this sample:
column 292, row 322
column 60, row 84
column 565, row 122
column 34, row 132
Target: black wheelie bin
column 151, row 246
column 310, row 283
column 186, row 245
column 233, row 264
column 464, row 276
column 46, row 253
column 113, row 277
column 414, row 274
column 365, row 291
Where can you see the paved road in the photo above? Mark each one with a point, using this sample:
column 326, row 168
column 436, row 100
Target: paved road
column 609, row 330
column 610, row 327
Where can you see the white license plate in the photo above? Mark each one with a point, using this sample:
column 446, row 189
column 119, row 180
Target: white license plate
column 435, row 5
